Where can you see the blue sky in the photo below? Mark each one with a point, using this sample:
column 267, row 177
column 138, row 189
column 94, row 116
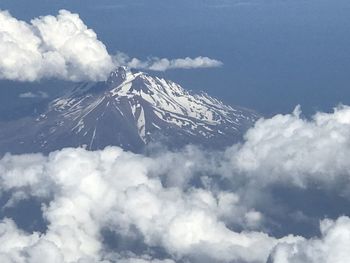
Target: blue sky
column 276, row 54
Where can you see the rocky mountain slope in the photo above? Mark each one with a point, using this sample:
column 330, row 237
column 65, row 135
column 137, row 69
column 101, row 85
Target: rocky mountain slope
column 131, row 110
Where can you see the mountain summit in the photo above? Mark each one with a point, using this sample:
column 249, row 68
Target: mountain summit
column 130, row 109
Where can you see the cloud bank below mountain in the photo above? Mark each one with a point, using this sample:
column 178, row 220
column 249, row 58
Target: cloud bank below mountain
column 122, row 192
column 64, row 47
column 186, row 206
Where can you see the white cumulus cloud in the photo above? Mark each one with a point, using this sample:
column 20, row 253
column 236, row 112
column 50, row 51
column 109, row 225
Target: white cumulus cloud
column 331, row 247
column 49, row 46
column 291, row 149
column 122, row 192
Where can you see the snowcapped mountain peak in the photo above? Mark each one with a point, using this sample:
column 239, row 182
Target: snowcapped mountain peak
column 132, row 109
column 167, row 96
column 117, row 76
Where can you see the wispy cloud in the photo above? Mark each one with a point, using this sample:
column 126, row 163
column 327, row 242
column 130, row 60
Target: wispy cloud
column 163, row 64
column 32, row 95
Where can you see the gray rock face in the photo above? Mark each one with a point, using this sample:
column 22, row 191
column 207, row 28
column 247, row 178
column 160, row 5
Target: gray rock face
column 130, row 109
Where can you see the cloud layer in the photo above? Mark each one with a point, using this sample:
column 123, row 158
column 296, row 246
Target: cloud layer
column 64, row 47
column 122, row 192
column 186, row 206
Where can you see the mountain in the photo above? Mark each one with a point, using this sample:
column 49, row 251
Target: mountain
column 130, row 109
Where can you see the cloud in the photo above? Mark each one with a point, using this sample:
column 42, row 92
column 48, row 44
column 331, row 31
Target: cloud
column 331, row 247
column 163, row 64
column 61, row 47
column 87, row 192
column 185, row 206
column 33, row 95
column 184, row 63
column 144, row 259
column 64, row 47
column 293, row 150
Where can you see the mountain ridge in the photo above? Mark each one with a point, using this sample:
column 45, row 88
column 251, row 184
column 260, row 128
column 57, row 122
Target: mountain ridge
column 131, row 109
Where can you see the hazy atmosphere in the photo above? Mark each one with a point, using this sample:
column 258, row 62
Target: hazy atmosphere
column 187, row 131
